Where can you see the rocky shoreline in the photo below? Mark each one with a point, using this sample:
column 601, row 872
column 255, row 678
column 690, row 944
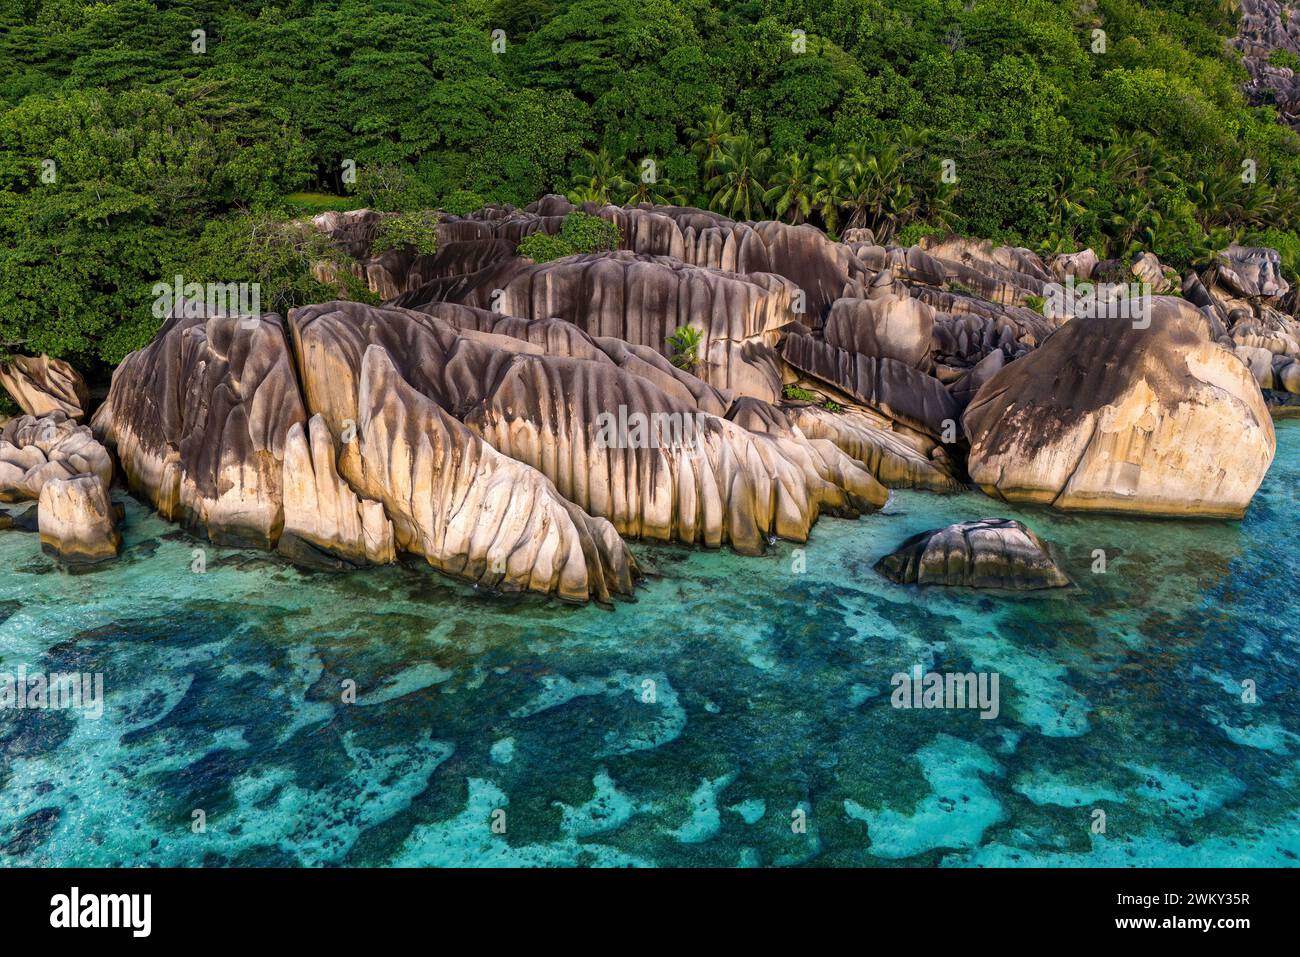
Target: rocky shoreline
column 461, row 420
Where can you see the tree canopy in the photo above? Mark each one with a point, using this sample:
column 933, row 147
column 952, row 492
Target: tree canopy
column 141, row 139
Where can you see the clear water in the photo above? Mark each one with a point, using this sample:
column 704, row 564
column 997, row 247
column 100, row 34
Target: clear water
column 770, row 705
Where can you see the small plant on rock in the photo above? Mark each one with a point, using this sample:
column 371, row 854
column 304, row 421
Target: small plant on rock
column 684, row 347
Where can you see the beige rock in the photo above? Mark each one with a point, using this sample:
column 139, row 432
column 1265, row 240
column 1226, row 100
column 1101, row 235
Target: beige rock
column 35, row 450
column 1080, row 265
column 199, row 419
column 896, row 389
column 76, row 520
column 1259, row 362
column 321, row 513
column 41, row 385
column 990, row 553
column 891, row 327
column 1106, row 417
column 896, row 460
column 1252, row 271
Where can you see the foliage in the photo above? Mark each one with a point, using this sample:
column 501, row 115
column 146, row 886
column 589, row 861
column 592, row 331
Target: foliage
column 1284, row 58
column 795, row 393
column 914, row 117
column 418, row 230
column 580, row 233
column 684, row 347
column 542, row 247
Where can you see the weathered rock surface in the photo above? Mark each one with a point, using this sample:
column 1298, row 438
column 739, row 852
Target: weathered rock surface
column 1104, row 416
column 34, row 451
column 77, row 522
column 1252, row 271
column 899, row 390
column 642, row 300
column 41, row 385
column 891, row 327
column 991, row 553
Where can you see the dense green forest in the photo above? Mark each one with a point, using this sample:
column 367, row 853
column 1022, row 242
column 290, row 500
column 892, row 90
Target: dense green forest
column 133, row 148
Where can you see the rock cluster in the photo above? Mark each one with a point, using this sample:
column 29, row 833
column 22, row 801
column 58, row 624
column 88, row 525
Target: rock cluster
column 57, row 462
column 512, row 421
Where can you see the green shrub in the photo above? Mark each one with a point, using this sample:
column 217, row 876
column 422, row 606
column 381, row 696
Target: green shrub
column 684, row 347
column 462, row 202
column 796, row 394
column 418, row 230
column 580, row 233
column 542, row 247
column 313, row 203
column 589, row 234
column 1035, row 303
column 1285, row 59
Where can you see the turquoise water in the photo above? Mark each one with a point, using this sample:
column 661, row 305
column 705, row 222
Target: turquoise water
column 491, row 730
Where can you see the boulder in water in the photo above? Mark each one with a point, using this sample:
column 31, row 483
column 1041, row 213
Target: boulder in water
column 990, row 553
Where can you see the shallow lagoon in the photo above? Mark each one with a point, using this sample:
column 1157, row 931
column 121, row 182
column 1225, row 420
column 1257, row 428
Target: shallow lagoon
column 770, row 696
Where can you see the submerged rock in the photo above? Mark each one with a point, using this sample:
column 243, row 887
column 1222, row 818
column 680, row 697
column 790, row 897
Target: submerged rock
column 990, row 553
column 1105, row 416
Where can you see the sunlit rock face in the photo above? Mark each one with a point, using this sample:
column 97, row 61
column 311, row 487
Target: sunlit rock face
column 1106, row 416
column 199, row 419
column 642, row 300
column 76, row 520
column 991, row 553
column 1252, row 271
column 210, row 425
column 34, row 451
column 506, row 450
column 41, row 385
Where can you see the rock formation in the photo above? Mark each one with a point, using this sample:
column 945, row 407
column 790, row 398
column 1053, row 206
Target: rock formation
column 991, row 553
column 511, row 421
column 41, row 385
column 34, row 451
column 77, row 521
column 1106, row 416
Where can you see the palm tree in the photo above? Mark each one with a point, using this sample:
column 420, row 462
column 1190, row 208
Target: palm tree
column 603, row 184
column 829, row 189
column 1066, row 201
column 1131, row 214
column 738, row 186
column 711, row 136
column 877, row 195
column 660, row 192
column 791, row 189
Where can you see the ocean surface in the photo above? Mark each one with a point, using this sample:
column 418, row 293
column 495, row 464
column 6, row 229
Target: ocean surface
column 738, row 713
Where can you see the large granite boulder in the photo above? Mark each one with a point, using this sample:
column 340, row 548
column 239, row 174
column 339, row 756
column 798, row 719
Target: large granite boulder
column 77, row 522
column 897, row 389
column 1105, row 416
column 41, row 385
column 991, row 553
column 891, row 327
column 1252, row 271
column 210, row 424
column 642, row 300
